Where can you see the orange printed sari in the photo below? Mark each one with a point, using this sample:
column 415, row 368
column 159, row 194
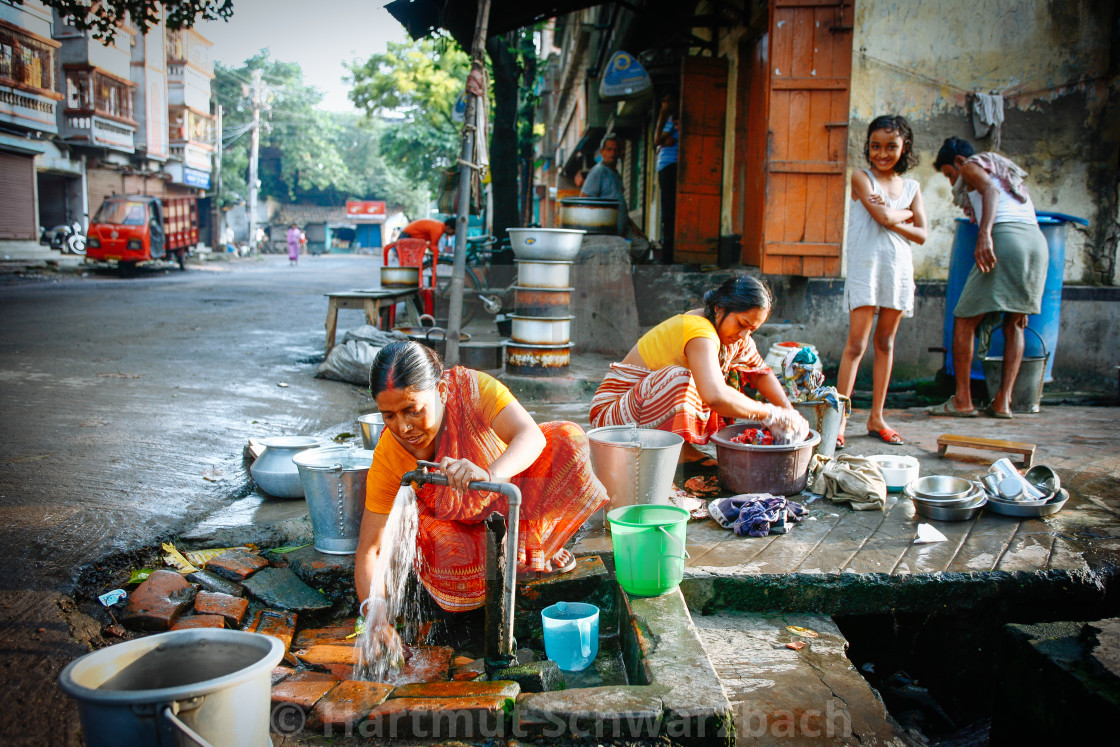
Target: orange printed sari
column 667, row 398
column 559, row 492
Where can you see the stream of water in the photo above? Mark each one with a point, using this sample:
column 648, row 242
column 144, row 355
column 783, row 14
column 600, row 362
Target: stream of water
column 381, row 651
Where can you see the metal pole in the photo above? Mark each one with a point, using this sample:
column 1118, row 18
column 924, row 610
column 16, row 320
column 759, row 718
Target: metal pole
column 466, row 177
column 254, row 154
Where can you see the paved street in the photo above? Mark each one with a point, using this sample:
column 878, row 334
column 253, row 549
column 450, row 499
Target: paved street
column 126, row 405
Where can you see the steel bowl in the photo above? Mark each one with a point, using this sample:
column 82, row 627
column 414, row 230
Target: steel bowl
column 400, row 277
column 964, row 512
column 1044, row 478
column 542, row 274
column 944, row 490
column 592, row 214
column 1029, row 510
column 371, row 425
column 548, row 244
column 539, row 330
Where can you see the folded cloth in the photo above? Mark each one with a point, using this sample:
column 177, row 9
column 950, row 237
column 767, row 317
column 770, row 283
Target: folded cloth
column 753, row 513
column 854, row 479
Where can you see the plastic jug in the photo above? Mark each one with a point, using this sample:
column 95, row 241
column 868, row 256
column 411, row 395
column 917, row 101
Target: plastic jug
column 571, row 634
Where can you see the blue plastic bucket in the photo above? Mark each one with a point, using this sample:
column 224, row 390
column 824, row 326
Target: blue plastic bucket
column 571, row 634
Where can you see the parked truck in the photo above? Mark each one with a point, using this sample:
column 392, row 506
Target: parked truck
column 130, row 229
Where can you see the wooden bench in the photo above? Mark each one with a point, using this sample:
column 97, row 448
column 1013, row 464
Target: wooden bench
column 375, row 302
column 1026, row 451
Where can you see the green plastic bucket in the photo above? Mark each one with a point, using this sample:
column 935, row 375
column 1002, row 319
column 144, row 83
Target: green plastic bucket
column 649, row 549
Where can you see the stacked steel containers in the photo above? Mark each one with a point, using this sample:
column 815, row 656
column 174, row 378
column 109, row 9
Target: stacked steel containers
column 540, row 342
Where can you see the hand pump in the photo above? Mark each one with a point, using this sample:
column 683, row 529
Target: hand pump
column 467, row 168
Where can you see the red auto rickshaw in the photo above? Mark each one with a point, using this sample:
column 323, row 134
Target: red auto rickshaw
column 130, row 229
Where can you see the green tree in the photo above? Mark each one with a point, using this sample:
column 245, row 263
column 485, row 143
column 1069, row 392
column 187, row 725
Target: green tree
column 418, row 84
column 105, row 17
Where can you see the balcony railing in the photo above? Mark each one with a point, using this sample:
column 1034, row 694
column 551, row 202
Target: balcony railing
column 27, row 61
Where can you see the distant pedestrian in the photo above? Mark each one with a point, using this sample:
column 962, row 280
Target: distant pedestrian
column 887, row 214
column 605, row 182
column 667, row 139
column 295, row 239
column 1009, row 277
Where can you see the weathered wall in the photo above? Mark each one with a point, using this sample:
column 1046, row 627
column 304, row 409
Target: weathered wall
column 1055, row 62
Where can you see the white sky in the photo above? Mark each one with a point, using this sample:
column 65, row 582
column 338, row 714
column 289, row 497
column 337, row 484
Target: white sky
column 319, row 35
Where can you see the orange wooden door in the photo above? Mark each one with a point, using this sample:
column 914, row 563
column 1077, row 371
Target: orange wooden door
column 809, row 71
column 703, row 102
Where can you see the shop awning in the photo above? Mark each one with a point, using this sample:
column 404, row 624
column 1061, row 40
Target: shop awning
column 421, row 17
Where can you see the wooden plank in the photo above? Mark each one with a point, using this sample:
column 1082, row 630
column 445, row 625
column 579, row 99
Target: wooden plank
column 735, row 551
column 934, row 557
column 1029, row 549
column 789, row 550
column 888, row 543
column 702, row 536
column 791, row 83
column 1024, row 450
column 986, row 543
column 792, row 249
column 846, row 538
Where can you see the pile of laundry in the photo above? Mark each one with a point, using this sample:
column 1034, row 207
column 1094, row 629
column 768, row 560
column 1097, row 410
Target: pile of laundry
column 756, row 514
column 801, row 373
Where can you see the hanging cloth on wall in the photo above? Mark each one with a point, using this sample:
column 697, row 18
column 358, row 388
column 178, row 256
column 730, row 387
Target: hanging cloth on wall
column 987, row 116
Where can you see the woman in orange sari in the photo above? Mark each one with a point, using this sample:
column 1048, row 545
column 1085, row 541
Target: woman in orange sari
column 687, row 374
column 476, row 430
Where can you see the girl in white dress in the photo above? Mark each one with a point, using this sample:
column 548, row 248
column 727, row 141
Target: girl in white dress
column 886, row 215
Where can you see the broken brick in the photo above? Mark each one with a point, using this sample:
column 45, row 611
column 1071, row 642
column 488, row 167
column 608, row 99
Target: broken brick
column 199, row 621
column 424, row 664
column 236, row 565
column 323, row 654
column 280, row 625
column 231, row 608
column 159, row 601
column 400, row 718
column 347, row 704
column 302, row 693
column 498, row 688
column 472, row 669
column 337, row 636
column 309, row 676
column 280, row 672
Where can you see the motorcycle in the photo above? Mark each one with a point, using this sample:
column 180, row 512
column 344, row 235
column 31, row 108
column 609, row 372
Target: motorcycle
column 66, row 238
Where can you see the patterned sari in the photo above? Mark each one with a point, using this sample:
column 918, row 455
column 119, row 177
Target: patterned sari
column 667, row 399
column 558, row 491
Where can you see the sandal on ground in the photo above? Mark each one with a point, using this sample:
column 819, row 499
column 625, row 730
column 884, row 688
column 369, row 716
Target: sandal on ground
column 992, row 412
column 948, row 409
column 888, row 436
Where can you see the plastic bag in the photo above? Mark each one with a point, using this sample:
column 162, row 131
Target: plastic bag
column 374, row 336
column 349, row 361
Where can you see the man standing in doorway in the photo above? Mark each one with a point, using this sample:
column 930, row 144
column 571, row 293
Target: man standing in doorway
column 605, row 182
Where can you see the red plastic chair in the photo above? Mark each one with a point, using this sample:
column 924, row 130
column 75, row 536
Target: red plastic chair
column 410, row 253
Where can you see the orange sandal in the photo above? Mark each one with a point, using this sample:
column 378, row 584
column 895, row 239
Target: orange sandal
column 888, row 436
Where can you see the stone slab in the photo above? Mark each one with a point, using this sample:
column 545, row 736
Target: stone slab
column 346, row 704
column 236, row 565
column 578, row 583
column 213, row 582
column 599, row 712
column 280, row 587
column 158, row 601
column 232, row 609
column 809, row 696
column 534, row 677
column 662, row 635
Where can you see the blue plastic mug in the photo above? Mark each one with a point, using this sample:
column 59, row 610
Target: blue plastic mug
column 571, row 634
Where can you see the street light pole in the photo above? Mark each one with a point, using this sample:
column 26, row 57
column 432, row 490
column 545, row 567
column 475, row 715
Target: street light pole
column 466, row 179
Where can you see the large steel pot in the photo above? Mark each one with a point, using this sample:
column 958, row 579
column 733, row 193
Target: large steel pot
column 561, row 244
column 592, row 214
column 484, row 356
column 433, row 337
column 539, row 274
column 537, row 360
column 542, row 301
column 400, row 277
column 275, row 472
column 539, row 330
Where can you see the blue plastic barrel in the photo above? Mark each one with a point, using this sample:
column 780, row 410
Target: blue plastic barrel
column 1046, row 322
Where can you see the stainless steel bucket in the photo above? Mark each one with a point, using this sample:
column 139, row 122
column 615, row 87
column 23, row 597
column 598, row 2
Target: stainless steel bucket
column 1026, row 394
column 170, row 688
column 334, row 482
column 635, row 465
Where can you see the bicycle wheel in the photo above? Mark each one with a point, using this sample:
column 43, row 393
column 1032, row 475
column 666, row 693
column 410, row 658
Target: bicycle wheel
column 472, row 289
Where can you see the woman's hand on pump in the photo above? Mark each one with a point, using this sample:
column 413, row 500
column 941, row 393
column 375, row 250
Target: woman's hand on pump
column 461, row 472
